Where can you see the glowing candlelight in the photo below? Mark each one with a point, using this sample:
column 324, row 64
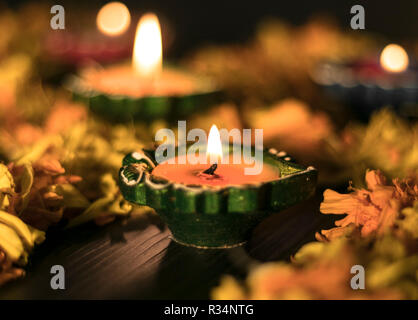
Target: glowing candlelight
column 394, row 58
column 144, row 80
column 214, row 148
column 113, row 19
column 147, row 56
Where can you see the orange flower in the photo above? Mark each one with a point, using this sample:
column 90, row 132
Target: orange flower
column 27, row 134
column 372, row 210
column 63, row 116
column 291, row 125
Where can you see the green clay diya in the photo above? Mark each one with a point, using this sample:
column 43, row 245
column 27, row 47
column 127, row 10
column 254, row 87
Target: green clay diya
column 115, row 102
column 143, row 90
column 214, row 209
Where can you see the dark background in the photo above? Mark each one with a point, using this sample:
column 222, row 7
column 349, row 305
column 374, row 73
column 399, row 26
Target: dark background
column 198, row 22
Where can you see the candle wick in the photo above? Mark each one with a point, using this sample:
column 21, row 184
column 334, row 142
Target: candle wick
column 211, row 169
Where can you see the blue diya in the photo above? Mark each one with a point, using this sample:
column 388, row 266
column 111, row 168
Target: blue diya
column 369, row 84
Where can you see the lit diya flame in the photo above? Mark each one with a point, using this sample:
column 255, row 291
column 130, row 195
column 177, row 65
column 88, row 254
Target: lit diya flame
column 214, row 149
column 394, row 58
column 113, row 19
column 147, row 56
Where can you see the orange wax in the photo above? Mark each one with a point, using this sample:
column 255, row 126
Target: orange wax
column 225, row 174
column 122, row 80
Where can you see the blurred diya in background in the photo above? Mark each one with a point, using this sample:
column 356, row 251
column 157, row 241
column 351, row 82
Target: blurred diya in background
column 108, row 41
column 371, row 83
column 214, row 205
column 143, row 90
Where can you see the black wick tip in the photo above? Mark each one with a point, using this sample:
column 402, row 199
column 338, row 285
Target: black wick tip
column 211, row 169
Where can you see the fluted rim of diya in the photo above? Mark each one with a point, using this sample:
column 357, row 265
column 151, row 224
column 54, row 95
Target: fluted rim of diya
column 215, row 217
column 122, row 108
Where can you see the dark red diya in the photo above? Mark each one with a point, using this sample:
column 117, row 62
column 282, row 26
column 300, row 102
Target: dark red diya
column 80, row 49
column 369, row 84
column 103, row 36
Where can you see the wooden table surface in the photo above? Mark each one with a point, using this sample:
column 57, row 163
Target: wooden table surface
column 135, row 258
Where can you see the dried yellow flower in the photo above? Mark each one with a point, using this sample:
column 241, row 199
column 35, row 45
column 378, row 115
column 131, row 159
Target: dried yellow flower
column 372, row 210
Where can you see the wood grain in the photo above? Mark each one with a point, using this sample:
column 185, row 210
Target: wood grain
column 135, row 258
